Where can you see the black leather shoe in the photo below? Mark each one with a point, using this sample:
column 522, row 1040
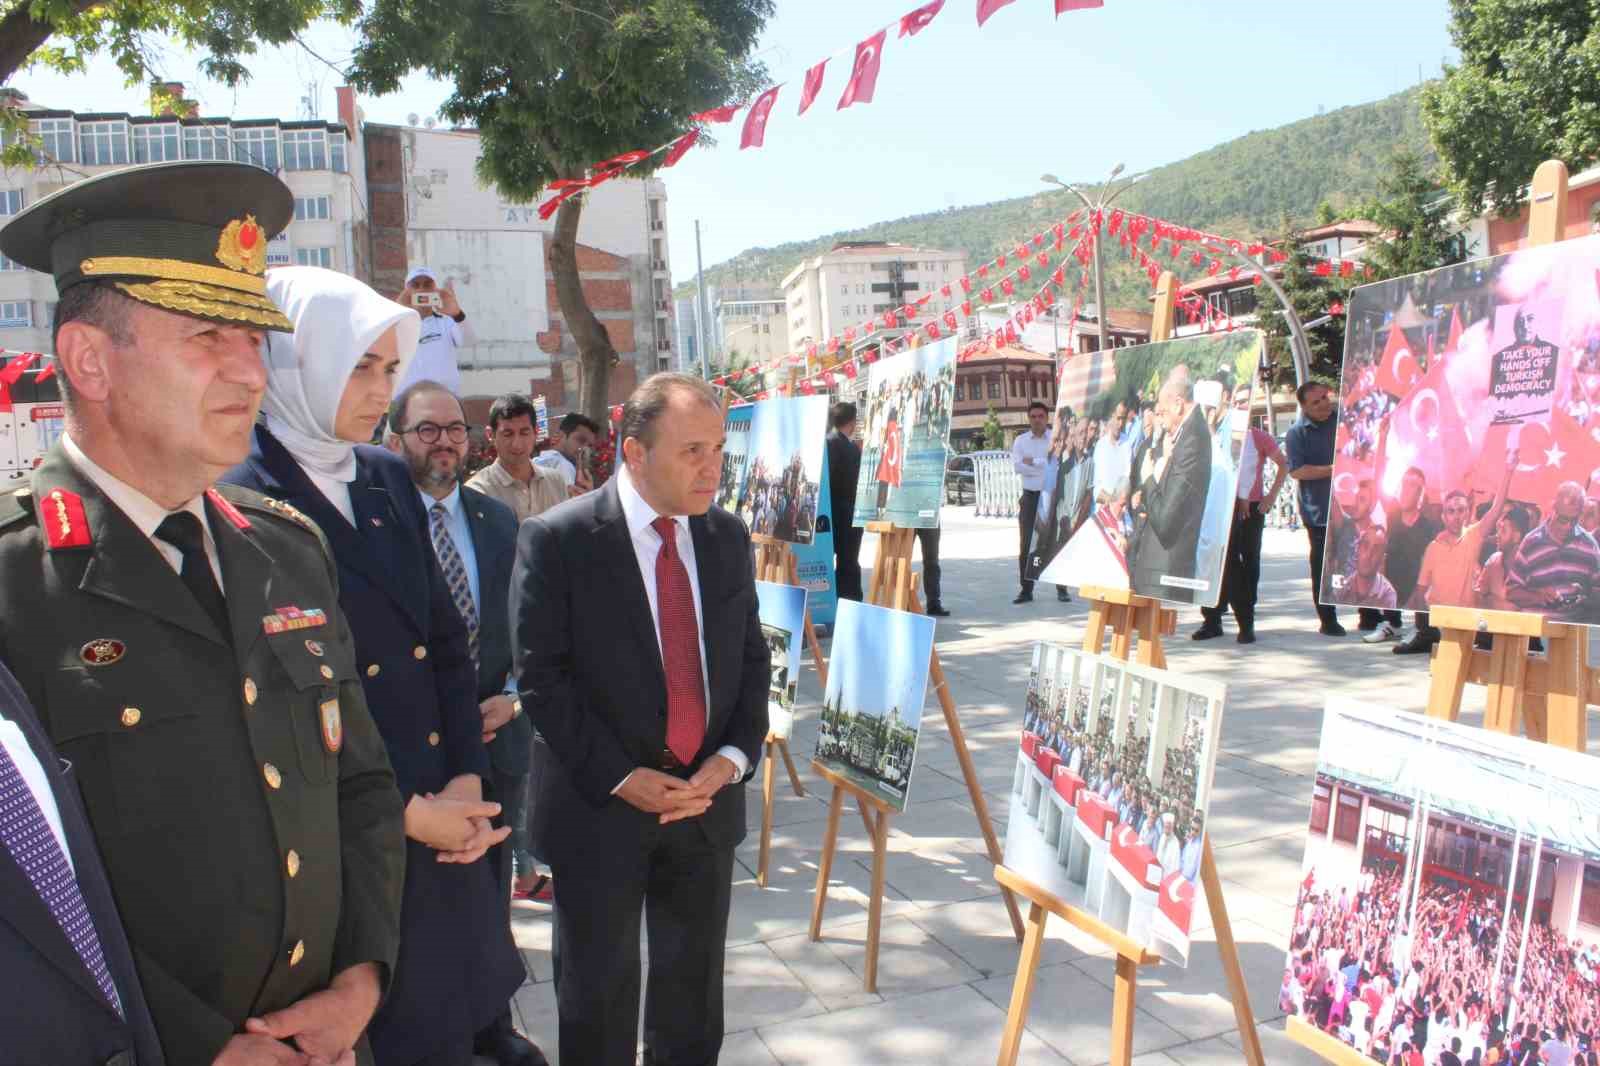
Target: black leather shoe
column 1023, row 597
column 938, row 610
column 1061, row 595
column 1419, row 644
column 1206, row 632
column 507, row 1047
column 1331, row 629
column 1246, row 636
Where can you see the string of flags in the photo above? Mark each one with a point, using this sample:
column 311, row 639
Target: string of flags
column 860, row 87
column 20, row 363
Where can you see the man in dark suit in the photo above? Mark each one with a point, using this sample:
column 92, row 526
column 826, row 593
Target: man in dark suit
column 1172, row 504
column 643, row 666
column 482, row 533
column 73, row 1000
column 844, row 471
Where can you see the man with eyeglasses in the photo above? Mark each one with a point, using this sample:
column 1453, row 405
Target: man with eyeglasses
column 475, row 539
column 1556, row 568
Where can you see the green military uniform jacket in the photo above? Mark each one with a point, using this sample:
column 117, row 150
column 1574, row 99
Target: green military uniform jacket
column 240, row 794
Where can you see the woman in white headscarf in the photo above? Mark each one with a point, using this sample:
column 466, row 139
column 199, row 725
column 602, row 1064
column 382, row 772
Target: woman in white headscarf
column 328, row 386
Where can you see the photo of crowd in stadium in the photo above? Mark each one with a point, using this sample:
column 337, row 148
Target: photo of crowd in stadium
column 1111, row 789
column 905, row 436
column 1141, row 494
column 1449, row 911
column 1467, row 470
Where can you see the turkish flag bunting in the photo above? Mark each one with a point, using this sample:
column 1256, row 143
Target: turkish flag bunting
column 966, row 283
column 1216, row 265
column 680, row 146
column 719, row 380
column 717, row 114
column 849, row 334
column 888, row 320
column 1063, row 6
column 833, row 345
column 549, row 207
column 914, row 23
column 1023, row 272
column 1008, row 288
column 812, row 86
column 849, row 371
column 864, row 74
column 1060, row 244
column 1060, row 276
column 1060, row 230
column 1038, row 240
column 983, row 272
column 966, row 308
column 1346, row 268
column 46, row 374
column 1042, row 259
column 806, row 388
column 1323, row 269
column 909, row 310
column 1233, row 275
column 1116, row 220
column 951, row 320
column 1196, row 259
column 987, row 296
column 989, row 7
column 811, row 349
column 944, row 290
column 933, row 330
column 1000, row 262
column 1022, row 251
column 755, row 122
column 1076, row 232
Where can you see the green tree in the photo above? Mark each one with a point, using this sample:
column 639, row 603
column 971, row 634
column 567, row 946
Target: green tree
column 994, row 434
column 554, row 87
column 63, row 35
column 1413, row 212
column 1527, row 89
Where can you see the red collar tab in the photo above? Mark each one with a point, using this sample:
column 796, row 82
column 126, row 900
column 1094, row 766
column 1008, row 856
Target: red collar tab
column 65, row 524
column 227, row 509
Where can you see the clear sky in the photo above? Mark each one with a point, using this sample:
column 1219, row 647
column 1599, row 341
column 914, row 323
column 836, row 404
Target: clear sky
column 961, row 115
column 887, row 664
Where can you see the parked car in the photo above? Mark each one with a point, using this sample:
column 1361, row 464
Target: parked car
column 960, row 481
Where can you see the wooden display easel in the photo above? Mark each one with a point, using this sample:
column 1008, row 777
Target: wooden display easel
column 894, row 585
column 775, row 562
column 1547, row 699
column 1125, row 617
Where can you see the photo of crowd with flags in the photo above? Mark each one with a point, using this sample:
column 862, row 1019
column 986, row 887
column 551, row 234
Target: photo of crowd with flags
column 1467, row 469
column 1144, row 477
column 1111, row 789
column 1475, row 941
column 905, row 439
column 772, row 472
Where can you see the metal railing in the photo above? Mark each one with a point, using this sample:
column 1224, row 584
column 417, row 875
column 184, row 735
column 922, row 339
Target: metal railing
column 996, row 484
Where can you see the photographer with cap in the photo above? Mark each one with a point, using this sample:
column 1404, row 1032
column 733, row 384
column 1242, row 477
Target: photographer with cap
column 445, row 331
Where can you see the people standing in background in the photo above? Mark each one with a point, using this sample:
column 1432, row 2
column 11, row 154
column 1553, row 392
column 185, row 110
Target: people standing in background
column 578, row 434
column 1241, row 573
column 474, row 540
column 1411, row 527
column 1310, row 446
column 444, row 331
column 328, row 387
column 844, row 474
column 1029, row 454
column 514, row 478
column 928, row 538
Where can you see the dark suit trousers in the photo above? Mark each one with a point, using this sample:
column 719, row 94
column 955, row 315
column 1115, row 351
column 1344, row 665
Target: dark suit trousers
column 683, row 886
column 1241, row 572
column 1027, row 512
column 1318, row 536
column 847, row 561
column 929, row 539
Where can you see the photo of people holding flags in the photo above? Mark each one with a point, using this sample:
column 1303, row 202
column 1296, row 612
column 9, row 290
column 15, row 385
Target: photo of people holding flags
column 905, row 444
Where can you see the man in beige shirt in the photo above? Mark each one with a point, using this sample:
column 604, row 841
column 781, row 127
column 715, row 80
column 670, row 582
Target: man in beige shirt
column 512, row 478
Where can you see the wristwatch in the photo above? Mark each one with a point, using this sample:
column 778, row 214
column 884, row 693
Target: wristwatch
column 516, row 707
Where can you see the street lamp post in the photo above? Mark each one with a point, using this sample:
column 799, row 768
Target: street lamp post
column 1098, row 206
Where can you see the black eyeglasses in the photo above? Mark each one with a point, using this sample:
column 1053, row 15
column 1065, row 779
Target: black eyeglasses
column 428, row 432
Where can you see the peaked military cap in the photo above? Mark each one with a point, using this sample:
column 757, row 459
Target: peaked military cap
column 187, row 237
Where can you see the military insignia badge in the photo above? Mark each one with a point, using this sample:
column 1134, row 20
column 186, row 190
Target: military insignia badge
column 315, row 647
column 332, row 727
column 286, row 619
column 102, row 651
column 243, row 246
column 64, row 521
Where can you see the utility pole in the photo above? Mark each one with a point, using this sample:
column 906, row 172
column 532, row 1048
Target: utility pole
column 1097, row 207
column 701, row 312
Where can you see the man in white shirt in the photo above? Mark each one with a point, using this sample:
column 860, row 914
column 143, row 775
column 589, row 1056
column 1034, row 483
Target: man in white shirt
column 444, row 331
column 578, row 434
column 1030, row 454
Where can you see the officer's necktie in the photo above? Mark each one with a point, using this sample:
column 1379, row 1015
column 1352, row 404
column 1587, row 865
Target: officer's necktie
column 455, row 573
column 27, row 836
column 182, row 531
column 680, row 648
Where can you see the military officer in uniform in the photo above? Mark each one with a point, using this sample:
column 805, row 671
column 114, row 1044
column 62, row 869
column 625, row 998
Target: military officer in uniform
column 183, row 643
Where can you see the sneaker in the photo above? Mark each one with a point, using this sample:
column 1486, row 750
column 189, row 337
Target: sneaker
column 1384, row 632
column 1331, row 629
column 1206, row 632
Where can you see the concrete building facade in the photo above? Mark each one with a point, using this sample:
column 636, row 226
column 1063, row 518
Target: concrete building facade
column 859, row 280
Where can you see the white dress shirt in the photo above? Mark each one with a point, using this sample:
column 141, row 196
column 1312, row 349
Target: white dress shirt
column 554, row 460
column 142, row 511
column 1028, row 446
column 646, row 548
column 27, row 764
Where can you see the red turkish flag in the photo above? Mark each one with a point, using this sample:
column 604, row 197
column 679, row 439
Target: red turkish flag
column 915, row 22
column 933, row 330
column 944, row 290
column 1000, row 262
column 46, row 374
column 849, row 370
column 966, row 308
column 864, row 73
column 983, row 272
column 680, row 146
column 987, row 296
column 951, row 320
column 1323, row 269
column 1455, row 330
column 1023, row 272
column 755, row 123
column 1076, row 5
column 1038, row 240
column 1427, row 430
column 966, row 283
column 849, row 334
column 1346, row 268
column 717, row 114
column 1022, row 251
column 1042, row 259
column 812, row 86
column 1008, row 288
column 888, row 320
column 989, row 7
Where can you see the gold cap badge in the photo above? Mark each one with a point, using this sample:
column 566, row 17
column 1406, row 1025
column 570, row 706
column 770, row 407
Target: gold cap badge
column 243, row 246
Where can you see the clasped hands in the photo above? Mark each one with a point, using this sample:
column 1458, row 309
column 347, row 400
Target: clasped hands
column 319, row 1030
column 673, row 798
column 455, row 821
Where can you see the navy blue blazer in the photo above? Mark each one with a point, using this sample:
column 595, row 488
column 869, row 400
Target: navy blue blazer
column 52, row 1011
column 494, row 541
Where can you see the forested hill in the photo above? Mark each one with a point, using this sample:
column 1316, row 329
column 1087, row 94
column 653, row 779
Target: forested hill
column 1241, row 188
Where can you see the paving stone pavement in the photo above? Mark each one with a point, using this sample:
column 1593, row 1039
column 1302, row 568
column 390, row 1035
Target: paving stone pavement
column 948, row 958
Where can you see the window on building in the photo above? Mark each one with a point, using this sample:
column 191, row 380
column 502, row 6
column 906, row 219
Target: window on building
column 278, row 253
column 258, row 145
column 1321, row 801
column 317, row 257
column 16, row 313
column 10, row 264
column 207, row 142
column 1241, row 301
column 336, row 152
column 958, row 391
column 10, row 201
column 844, row 290
column 1347, row 823
column 1589, row 901
column 156, row 143
column 312, row 208
column 103, row 143
column 305, row 150
column 55, row 135
column 994, row 389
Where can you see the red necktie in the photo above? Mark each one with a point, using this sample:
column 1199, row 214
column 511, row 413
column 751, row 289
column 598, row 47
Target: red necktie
column 680, row 648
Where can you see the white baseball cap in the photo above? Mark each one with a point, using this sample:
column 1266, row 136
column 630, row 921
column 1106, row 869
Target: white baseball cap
column 422, row 272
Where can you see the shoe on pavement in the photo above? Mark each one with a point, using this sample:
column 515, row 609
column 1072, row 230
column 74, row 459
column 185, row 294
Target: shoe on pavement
column 938, row 610
column 1062, row 595
column 1418, row 644
column 1246, row 636
column 1331, row 629
column 1206, row 632
column 507, row 1047
column 1384, row 632
column 1023, row 597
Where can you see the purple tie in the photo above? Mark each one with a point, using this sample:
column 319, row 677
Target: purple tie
column 27, row 836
